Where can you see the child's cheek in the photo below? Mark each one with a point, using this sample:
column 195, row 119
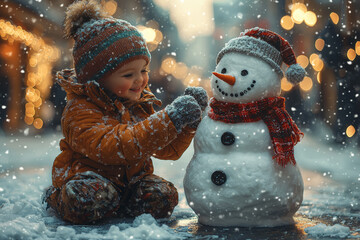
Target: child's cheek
column 146, row 80
column 123, row 88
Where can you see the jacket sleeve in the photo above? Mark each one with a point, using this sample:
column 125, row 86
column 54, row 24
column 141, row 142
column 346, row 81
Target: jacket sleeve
column 87, row 133
column 177, row 147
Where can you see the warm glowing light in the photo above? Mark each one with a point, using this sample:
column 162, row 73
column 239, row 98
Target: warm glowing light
column 357, row 48
column 181, row 70
column 110, row 7
column 317, row 64
column 306, row 84
column 32, row 62
column 286, row 22
column 302, row 60
column 318, row 77
column 38, row 103
column 313, row 57
column 29, row 111
column 298, row 11
column 319, row 44
column 149, row 34
column 334, row 17
column 192, row 80
column 286, row 85
column 29, row 120
column 310, row 18
column 350, row 131
column 152, row 46
column 38, row 123
column 159, row 36
column 192, row 18
column 351, row 54
column 168, row 65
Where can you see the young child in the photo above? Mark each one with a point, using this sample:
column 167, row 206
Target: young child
column 110, row 127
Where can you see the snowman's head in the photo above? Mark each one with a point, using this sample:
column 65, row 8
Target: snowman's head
column 242, row 78
column 249, row 67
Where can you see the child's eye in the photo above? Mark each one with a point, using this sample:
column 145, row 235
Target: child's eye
column 145, row 70
column 128, row 75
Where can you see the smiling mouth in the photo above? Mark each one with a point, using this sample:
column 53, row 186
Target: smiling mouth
column 135, row 90
column 240, row 94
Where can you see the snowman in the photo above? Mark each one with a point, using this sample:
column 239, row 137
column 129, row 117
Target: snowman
column 243, row 172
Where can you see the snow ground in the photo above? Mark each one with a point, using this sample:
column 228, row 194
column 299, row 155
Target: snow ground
column 331, row 177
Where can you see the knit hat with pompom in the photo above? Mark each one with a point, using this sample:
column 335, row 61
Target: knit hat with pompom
column 103, row 44
column 268, row 46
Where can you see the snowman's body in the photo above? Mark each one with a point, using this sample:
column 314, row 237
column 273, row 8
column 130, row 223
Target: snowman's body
column 232, row 179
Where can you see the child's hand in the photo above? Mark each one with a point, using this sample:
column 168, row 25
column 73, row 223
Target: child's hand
column 201, row 97
column 183, row 111
column 199, row 94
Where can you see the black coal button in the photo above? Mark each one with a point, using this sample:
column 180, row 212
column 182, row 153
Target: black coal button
column 227, row 138
column 218, row 178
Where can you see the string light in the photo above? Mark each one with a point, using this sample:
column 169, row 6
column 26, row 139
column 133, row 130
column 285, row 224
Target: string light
column 286, row 85
column 306, row 84
column 334, row 18
column 287, row 22
column 357, row 48
column 351, row 54
column 310, row 18
column 350, row 131
column 319, row 44
column 110, row 7
column 152, row 36
column 298, row 11
column 302, row 60
column 40, row 60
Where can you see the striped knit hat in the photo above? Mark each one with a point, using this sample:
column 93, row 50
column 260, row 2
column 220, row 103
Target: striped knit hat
column 268, row 46
column 103, row 44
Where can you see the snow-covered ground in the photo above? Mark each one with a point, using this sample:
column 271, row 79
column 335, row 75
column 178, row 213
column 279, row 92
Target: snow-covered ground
column 331, row 177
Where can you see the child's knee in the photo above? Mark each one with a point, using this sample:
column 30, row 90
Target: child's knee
column 87, row 198
column 153, row 195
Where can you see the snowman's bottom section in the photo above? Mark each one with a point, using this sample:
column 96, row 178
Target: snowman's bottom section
column 242, row 189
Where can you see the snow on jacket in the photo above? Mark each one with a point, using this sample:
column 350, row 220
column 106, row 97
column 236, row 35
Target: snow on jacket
column 113, row 138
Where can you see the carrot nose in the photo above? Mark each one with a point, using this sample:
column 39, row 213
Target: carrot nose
column 226, row 78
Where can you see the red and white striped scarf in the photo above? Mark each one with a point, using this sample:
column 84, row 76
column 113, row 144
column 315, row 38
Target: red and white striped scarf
column 284, row 133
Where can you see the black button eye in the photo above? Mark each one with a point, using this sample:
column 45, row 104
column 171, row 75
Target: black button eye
column 223, row 70
column 244, row 72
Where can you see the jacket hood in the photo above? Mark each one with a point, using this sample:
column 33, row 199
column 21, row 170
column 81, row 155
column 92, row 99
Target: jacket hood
column 67, row 79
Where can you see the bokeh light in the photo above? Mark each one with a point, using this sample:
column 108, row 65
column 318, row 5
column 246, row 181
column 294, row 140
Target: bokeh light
column 302, row 60
column 310, row 18
column 319, row 44
column 351, row 54
column 350, row 131
column 286, row 22
column 298, row 11
column 285, row 85
column 110, row 7
column 334, row 17
column 306, row 84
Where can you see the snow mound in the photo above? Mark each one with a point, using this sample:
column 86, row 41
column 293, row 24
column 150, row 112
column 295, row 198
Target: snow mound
column 322, row 230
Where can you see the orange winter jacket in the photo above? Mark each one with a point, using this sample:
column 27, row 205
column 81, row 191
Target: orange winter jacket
column 112, row 138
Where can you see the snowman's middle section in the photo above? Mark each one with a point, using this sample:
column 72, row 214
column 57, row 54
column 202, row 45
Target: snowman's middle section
column 221, row 138
column 233, row 180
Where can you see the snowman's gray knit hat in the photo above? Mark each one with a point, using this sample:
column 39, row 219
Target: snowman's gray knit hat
column 268, row 46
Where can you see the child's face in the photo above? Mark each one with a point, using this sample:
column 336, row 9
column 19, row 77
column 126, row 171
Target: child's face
column 129, row 80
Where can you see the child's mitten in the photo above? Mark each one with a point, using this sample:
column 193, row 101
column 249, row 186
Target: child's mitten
column 199, row 94
column 183, row 110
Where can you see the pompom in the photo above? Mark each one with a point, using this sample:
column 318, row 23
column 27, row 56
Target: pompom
column 79, row 13
column 295, row 73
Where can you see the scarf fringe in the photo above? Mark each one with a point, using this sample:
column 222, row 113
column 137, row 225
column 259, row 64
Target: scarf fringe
column 284, row 158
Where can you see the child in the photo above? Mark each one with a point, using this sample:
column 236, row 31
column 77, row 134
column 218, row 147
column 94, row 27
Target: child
column 110, row 127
